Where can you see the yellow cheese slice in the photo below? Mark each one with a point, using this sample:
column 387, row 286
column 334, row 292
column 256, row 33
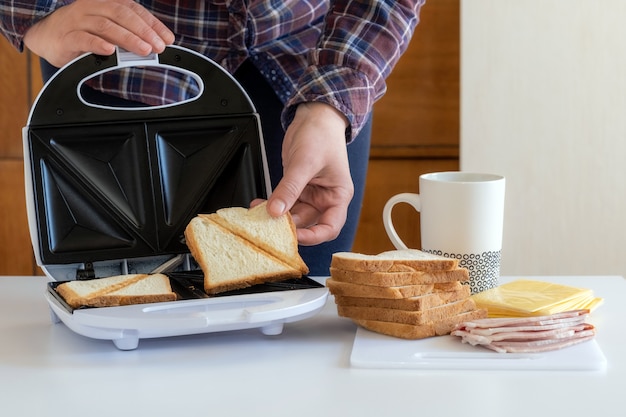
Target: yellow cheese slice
column 525, row 297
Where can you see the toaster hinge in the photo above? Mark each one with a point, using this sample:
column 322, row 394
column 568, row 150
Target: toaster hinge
column 87, row 273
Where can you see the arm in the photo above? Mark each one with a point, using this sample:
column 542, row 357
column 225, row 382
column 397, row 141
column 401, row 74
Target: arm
column 361, row 43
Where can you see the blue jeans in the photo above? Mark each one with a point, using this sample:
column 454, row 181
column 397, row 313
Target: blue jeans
column 269, row 107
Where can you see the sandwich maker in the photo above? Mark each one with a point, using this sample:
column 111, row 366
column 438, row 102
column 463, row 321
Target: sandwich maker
column 110, row 191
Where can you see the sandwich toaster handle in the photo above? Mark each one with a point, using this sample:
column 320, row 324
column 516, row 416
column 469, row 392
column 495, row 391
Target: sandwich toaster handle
column 60, row 101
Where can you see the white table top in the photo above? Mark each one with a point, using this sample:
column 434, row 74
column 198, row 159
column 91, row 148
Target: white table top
column 45, row 369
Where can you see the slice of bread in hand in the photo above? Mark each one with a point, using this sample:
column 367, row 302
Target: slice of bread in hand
column 387, row 279
column 393, row 261
column 421, row 331
column 275, row 235
column 94, row 292
column 230, row 261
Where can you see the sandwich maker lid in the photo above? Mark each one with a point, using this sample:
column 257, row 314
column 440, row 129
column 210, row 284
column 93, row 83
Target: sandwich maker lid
column 110, row 191
column 109, row 182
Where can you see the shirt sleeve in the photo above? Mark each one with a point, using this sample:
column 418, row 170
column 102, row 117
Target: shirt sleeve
column 361, row 43
column 17, row 16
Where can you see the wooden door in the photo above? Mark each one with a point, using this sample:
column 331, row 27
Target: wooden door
column 19, row 82
column 416, row 125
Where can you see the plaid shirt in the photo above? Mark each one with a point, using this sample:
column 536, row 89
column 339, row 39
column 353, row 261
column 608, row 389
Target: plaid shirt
column 338, row 52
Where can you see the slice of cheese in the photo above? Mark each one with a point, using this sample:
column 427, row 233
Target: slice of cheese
column 525, row 297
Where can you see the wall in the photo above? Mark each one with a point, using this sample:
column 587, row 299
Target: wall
column 543, row 101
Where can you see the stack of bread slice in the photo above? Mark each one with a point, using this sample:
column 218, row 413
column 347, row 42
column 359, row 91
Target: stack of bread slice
column 408, row 294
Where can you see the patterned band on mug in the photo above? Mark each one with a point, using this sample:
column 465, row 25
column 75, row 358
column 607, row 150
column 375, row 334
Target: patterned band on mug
column 484, row 268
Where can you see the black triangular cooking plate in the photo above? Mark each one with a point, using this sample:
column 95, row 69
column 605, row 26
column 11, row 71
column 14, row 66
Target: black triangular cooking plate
column 128, row 190
column 120, row 183
column 78, row 224
column 112, row 166
column 187, row 161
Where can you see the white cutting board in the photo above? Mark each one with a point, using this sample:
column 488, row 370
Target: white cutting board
column 373, row 350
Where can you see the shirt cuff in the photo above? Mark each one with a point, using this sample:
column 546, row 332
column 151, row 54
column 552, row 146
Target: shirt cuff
column 346, row 89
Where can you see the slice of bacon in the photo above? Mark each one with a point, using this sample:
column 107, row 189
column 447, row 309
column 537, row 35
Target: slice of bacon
column 527, row 334
column 506, row 329
column 547, row 345
column 517, row 321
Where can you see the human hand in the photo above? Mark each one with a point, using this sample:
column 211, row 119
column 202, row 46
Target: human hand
column 316, row 185
column 97, row 26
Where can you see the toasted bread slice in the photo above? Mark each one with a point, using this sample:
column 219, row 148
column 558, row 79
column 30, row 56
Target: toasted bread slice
column 152, row 288
column 117, row 290
column 393, row 261
column 230, row 261
column 75, row 293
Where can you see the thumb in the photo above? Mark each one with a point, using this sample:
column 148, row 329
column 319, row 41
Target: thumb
column 285, row 194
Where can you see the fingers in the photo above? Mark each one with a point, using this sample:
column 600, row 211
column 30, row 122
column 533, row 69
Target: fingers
column 97, row 26
column 83, row 42
column 256, row 202
column 316, row 185
column 317, row 227
column 129, row 25
column 317, row 234
column 285, row 194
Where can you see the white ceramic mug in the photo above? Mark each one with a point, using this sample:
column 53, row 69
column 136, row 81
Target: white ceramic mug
column 461, row 216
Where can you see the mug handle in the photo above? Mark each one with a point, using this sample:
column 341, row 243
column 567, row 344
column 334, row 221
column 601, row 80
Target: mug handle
column 409, row 198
